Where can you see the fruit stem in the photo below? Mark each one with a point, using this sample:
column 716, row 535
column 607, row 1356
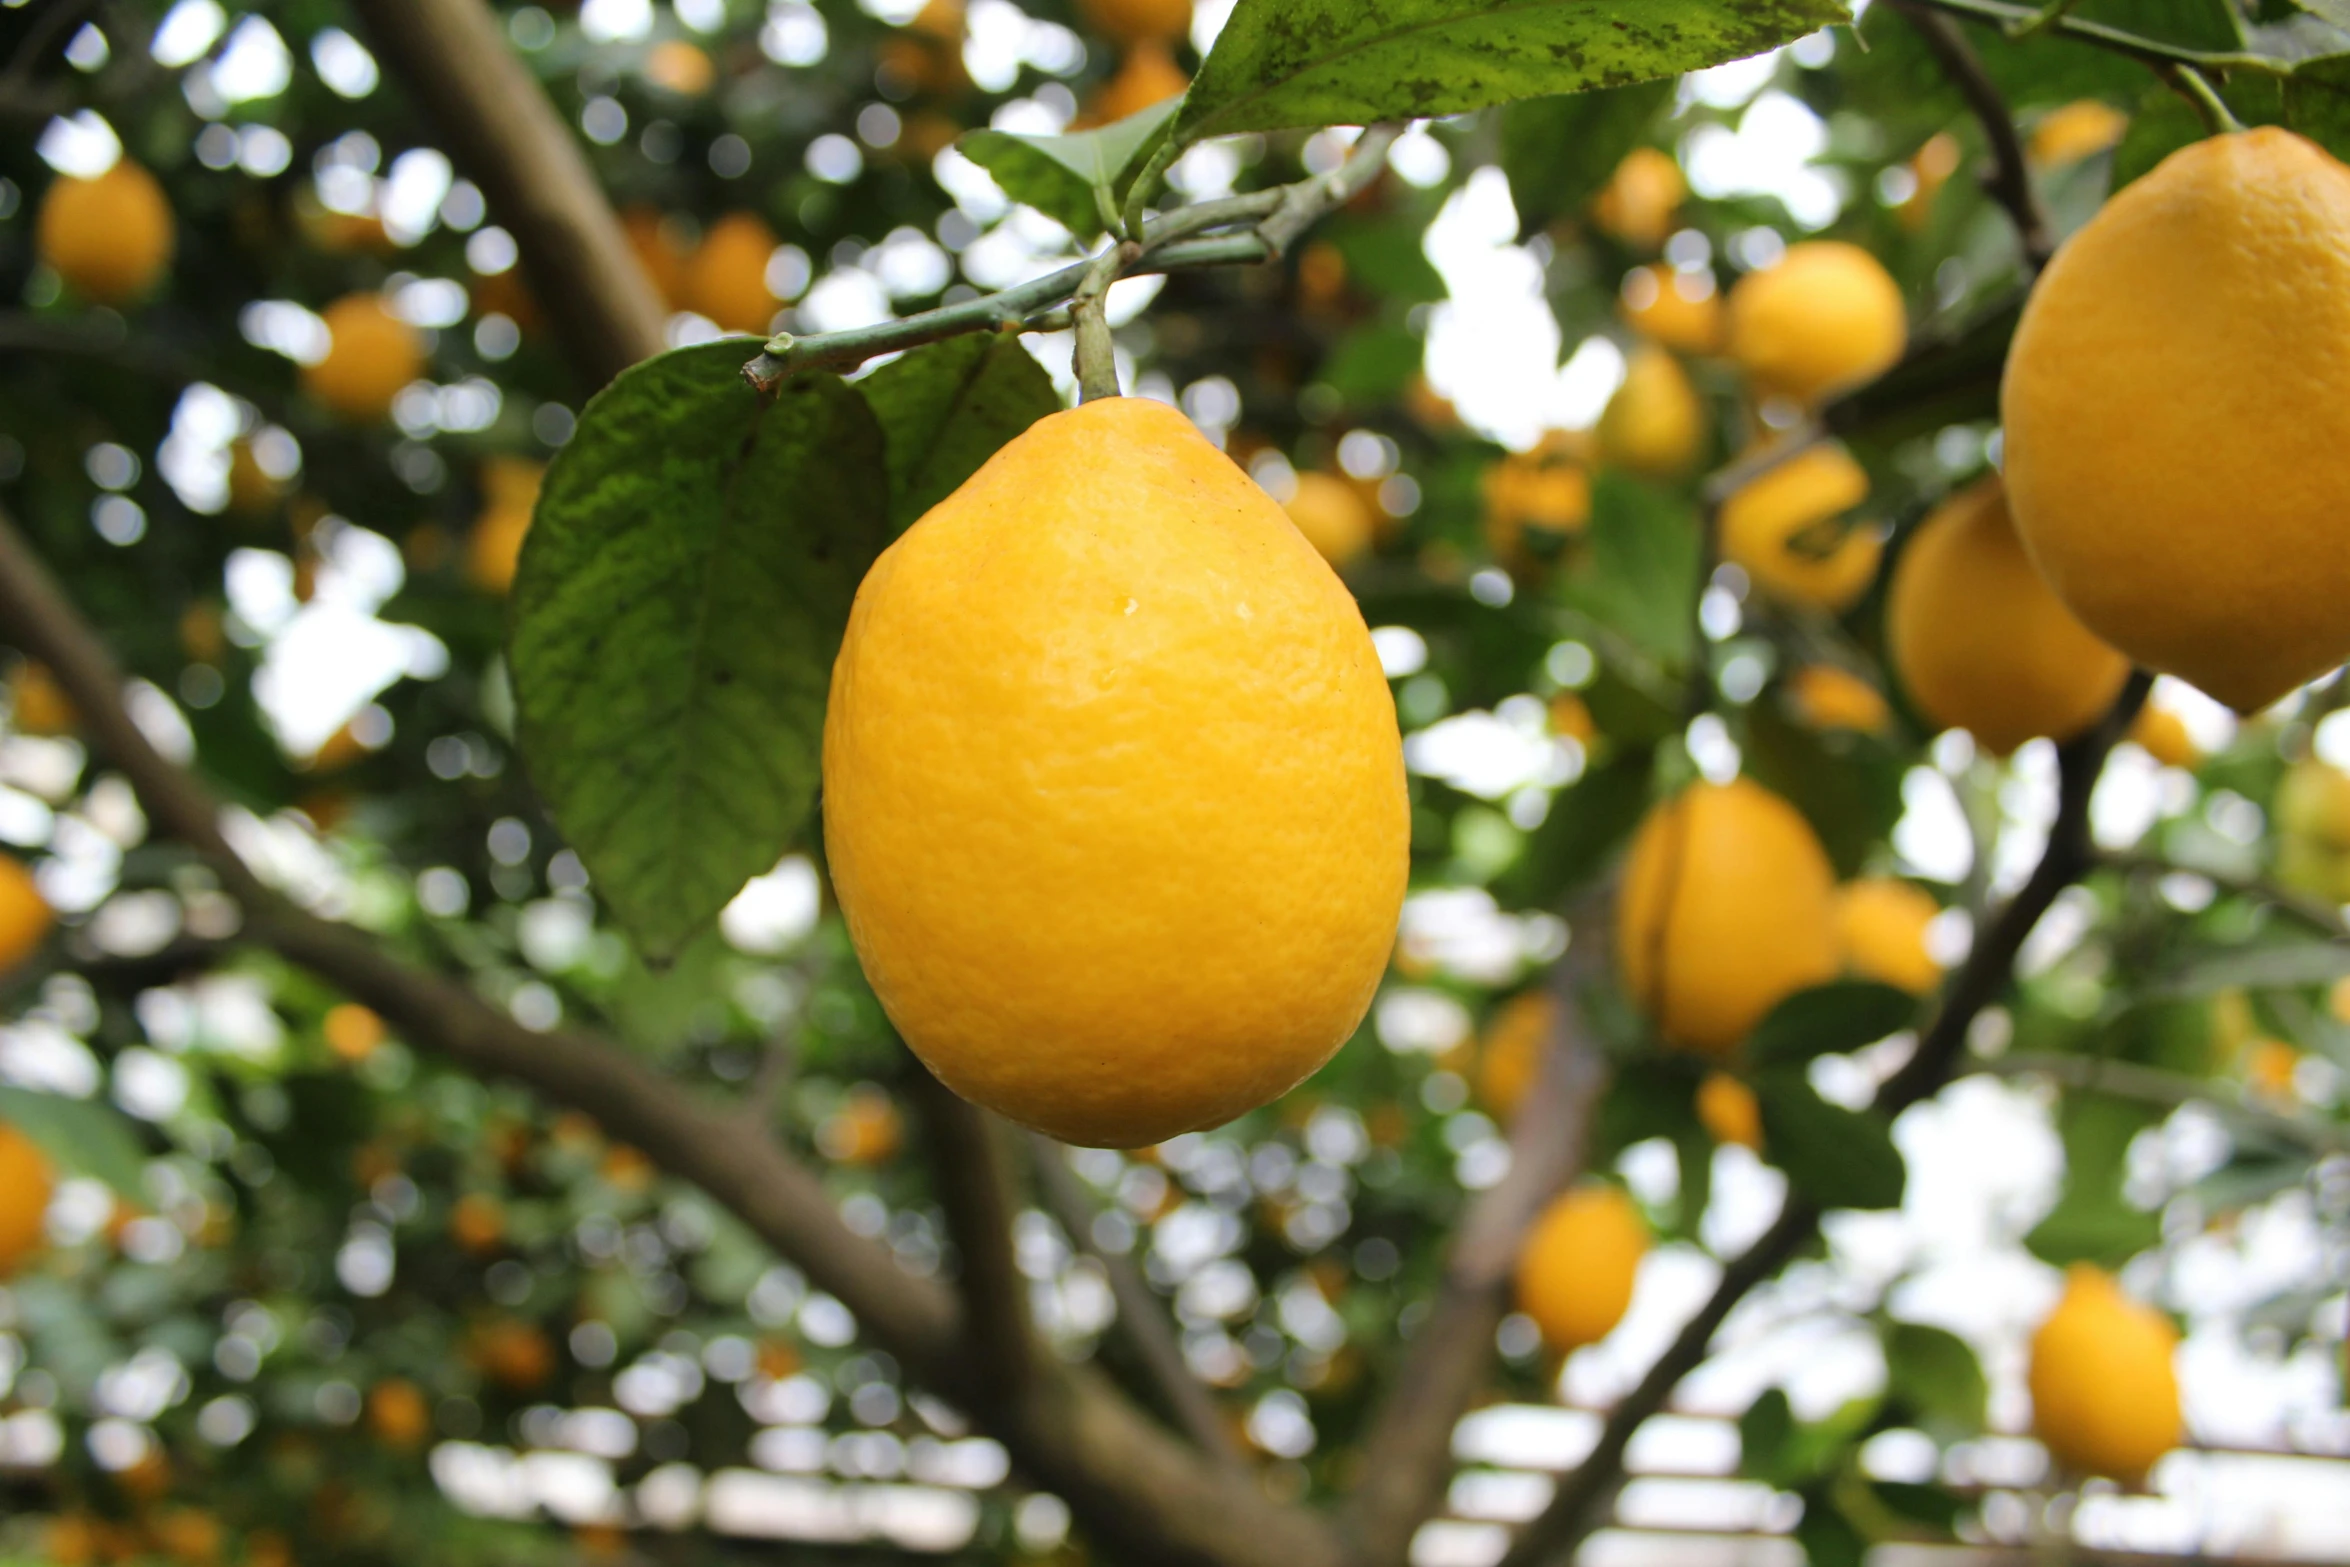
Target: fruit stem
column 2196, row 88
column 1097, row 355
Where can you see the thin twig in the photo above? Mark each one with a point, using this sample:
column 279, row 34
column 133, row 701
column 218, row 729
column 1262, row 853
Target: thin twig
column 2313, row 912
column 2191, row 84
column 2010, row 178
column 1142, row 1320
column 2152, row 1085
column 1097, row 354
column 2007, row 15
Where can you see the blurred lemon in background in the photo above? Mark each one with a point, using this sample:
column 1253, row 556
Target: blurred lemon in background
column 1654, row 425
column 1825, row 317
column 1638, row 203
column 1680, row 310
column 371, row 356
column 1579, row 1263
column 1881, row 926
column 2105, row 1398
column 110, row 236
column 26, row 1185
column 1333, row 516
column 1783, row 529
column 725, row 278
column 2077, row 130
column 1729, row 1111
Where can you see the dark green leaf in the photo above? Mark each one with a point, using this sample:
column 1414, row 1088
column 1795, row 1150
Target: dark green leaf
column 947, row 408
column 2317, row 103
column 1077, row 179
column 1827, row 1537
column 1848, row 786
column 1386, row 258
column 1586, row 823
column 1837, row 1158
column 2191, row 24
column 2258, row 968
column 81, row 1137
column 1936, row 1374
column 1766, row 1432
column 1942, row 380
column 1638, row 570
column 1929, row 1505
column 1372, row 363
column 682, row 593
column 1558, row 151
column 1282, row 63
column 1830, row 1019
column 2092, row 1222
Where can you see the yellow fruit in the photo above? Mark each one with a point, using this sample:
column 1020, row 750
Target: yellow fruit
column 352, row 1031
column 2076, row 131
column 1787, row 531
column 37, row 704
column 654, row 239
column 1333, row 516
column 2162, row 734
column 26, row 1183
column 2269, row 1068
column 1729, row 1112
column 1931, row 167
column 187, row 1535
column 1113, row 791
column 515, row 1355
column 726, row 278
column 1980, row 642
column 371, row 355
column 1570, row 719
column 1139, row 21
column 1826, row 316
column 1577, row 1267
column 2168, row 473
column 1512, row 1050
column 1881, row 927
column 478, row 1223
column 1147, row 76
column 25, row 916
column 109, row 237
column 674, row 65
column 1827, row 697
column 251, row 490
column 2104, row 1396
column 1536, row 501
column 1655, row 424
column 1681, row 310
column 1638, row 203
column 627, row 1168
column 1727, row 909
column 2338, row 1001
column 2313, row 803
column 495, row 548
column 865, row 1130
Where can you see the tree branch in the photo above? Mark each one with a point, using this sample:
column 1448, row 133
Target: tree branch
column 2011, row 18
column 2173, row 1090
column 505, row 135
column 1142, row 1317
column 2313, row 912
column 2010, row 179
column 972, row 1185
column 1575, row 1510
column 1407, row 1457
column 1132, row 1487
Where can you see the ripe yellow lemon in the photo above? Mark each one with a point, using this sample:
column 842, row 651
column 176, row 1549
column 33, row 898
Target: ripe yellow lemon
column 2104, row 1396
column 25, row 916
column 1681, row 310
column 1881, row 927
column 1640, row 199
column 1148, row 75
column 1571, row 719
column 1728, row 1110
column 1333, row 516
column 2077, row 130
column 2174, row 451
column 398, row 1415
column 1655, row 424
column 1727, row 909
column 673, row 65
column 1826, row 316
column 1113, row 791
column 510, row 487
column 1139, row 21
column 1931, row 166
column 1980, row 642
column 1536, row 501
column 371, row 355
column 658, row 250
column 26, row 1183
column 1512, row 1050
column 726, row 277
column 1787, row 531
column 1577, row 1267
column 1825, row 696
column 2163, row 735
column 109, row 237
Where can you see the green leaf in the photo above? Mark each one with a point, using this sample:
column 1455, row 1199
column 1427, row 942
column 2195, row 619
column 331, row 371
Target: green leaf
column 682, row 592
column 1638, row 571
column 1559, row 151
column 2317, row 103
column 2092, row 1222
column 2257, row 968
column 1078, row 179
column 1285, row 63
column 1837, row 1158
column 81, row 1137
column 1848, row 786
column 1372, row 363
column 948, row 408
column 2164, row 123
column 1766, row 1433
column 1929, row 1505
column 1936, row 1374
column 1587, row 821
column 1827, row 1537
column 1948, row 379
column 1385, row 257
column 1830, row 1019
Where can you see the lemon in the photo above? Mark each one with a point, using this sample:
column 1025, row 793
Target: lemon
column 1931, row 167
column 1783, row 529
column 1536, row 501
column 1655, row 424
column 2172, row 401
column 1113, row 791
column 658, row 250
column 673, row 65
column 726, row 277
column 1881, row 926
column 1578, row 1265
column 1979, row 641
column 1640, row 199
column 1148, row 75
column 1729, row 1111
column 1825, row 317
column 37, row 704
column 1827, row 697
column 2104, row 1396
column 26, row 1184
column 1139, row 21
column 510, row 487
column 1512, row 1050
column 252, row 491
column 371, row 356
column 25, row 916
column 1727, row 909
column 398, row 1415
column 1570, row 719
column 1333, row 516
column 2077, row 130
column 1680, row 310
column 110, row 237
column 2163, row 735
